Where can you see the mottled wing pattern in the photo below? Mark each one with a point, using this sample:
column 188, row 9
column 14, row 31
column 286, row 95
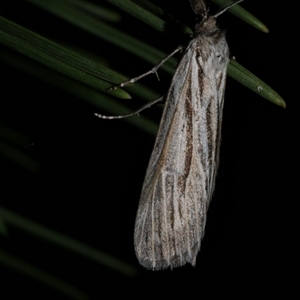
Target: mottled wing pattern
column 180, row 177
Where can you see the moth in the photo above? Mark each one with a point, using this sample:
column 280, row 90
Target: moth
column 181, row 173
column 180, row 177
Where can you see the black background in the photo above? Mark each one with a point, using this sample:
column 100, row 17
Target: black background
column 92, row 170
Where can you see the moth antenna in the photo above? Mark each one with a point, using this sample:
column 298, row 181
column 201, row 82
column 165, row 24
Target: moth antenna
column 227, row 7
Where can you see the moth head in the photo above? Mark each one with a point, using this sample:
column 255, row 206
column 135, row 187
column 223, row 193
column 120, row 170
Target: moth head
column 208, row 22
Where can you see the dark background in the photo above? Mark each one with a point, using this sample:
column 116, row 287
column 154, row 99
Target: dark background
column 92, row 170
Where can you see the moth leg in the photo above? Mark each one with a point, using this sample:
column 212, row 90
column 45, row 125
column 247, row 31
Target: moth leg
column 153, row 70
column 131, row 114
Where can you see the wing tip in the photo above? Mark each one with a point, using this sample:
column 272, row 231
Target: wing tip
column 174, row 262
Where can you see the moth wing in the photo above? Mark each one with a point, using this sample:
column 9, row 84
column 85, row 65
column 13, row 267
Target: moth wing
column 180, row 176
